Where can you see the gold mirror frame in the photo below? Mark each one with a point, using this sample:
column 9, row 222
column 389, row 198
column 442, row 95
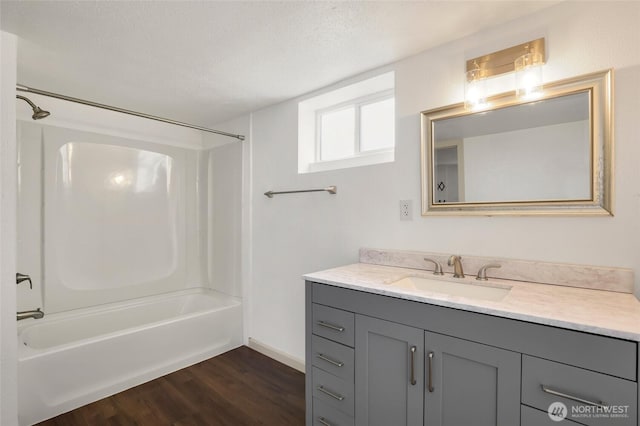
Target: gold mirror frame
column 600, row 88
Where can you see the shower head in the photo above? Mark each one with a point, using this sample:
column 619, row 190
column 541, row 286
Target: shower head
column 38, row 112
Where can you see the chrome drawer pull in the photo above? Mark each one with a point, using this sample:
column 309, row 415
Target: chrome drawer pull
column 430, row 385
column 413, row 365
column 331, row 394
column 324, row 421
column 330, row 361
column 598, row 404
column 331, row 326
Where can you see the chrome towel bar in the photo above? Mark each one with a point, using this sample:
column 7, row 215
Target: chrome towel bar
column 330, row 189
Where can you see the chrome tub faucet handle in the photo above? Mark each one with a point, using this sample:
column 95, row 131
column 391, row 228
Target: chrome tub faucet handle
column 23, row 277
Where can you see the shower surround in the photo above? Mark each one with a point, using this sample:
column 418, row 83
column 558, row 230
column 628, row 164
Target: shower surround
column 115, row 233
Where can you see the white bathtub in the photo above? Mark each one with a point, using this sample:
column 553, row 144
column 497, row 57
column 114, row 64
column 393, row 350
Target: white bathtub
column 69, row 359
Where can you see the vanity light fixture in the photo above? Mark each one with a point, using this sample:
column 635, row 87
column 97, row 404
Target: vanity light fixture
column 529, row 75
column 475, row 89
column 525, row 59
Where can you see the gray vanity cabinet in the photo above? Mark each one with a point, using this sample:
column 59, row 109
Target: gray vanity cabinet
column 389, row 373
column 470, row 384
column 379, row 360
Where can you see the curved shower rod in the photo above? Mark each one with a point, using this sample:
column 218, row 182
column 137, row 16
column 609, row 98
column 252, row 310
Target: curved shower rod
column 23, row 88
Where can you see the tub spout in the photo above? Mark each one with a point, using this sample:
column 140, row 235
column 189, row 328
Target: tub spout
column 37, row 314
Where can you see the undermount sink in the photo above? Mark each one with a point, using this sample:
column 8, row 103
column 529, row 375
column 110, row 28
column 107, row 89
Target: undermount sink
column 472, row 290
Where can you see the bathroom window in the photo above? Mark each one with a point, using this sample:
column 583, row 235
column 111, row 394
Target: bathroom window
column 348, row 127
column 360, row 127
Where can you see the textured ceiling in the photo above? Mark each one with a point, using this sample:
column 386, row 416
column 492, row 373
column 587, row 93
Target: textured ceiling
column 205, row 62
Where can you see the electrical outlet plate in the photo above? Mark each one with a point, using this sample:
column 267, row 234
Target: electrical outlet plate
column 406, row 210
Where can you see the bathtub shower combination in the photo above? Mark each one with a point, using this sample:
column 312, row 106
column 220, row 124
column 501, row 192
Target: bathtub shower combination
column 114, row 233
column 70, row 359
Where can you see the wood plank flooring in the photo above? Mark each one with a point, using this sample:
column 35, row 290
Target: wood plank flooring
column 240, row 387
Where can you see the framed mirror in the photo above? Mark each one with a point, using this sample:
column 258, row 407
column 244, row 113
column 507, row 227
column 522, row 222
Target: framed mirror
column 551, row 155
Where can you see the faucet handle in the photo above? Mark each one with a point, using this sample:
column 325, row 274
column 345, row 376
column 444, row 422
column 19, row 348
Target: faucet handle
column 23, row 277
column 482, row 272
column 437, row 270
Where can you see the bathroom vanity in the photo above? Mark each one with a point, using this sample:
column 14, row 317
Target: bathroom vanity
column 381, row 353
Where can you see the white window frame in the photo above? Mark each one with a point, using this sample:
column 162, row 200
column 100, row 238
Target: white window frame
column 355, row 92
column 357, row 104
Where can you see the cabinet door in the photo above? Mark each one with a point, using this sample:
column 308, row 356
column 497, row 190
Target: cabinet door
column 470, row 384
column 389, row 373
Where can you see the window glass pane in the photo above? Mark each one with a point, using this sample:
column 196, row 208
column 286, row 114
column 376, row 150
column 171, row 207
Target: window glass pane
column 377, row 121
column 337, row 134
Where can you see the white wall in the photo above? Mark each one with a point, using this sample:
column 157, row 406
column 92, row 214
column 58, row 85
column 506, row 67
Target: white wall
column 543, row 163
column 295, row 234
column 8, row 341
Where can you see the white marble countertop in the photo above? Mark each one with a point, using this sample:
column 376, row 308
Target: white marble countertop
column 595, row 311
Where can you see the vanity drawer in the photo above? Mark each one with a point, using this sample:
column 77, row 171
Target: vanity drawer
column 579, row 384
column 325, row 415
column 335, row 392
column 532, row 417
column 334, row 324
column 333, row 357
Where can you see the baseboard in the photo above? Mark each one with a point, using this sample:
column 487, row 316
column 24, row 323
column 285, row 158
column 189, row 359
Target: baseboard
column 276, row 354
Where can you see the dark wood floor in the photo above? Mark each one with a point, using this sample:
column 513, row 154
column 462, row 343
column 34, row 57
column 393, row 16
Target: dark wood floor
column 240, row 387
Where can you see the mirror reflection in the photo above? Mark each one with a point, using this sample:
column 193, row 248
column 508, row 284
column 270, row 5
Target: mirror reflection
column 539, row 151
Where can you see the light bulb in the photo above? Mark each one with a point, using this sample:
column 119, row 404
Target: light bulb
column 475, row 90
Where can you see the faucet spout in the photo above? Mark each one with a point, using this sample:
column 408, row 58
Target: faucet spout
column 37, row 314
column 456, row 262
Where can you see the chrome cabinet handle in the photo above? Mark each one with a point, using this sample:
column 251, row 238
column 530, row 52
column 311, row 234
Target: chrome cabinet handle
column 324, row 421
column 331, row 394
column 430, row 386
column 331, row 326
column 598, row 404
column 413, row 365
column 330, row 361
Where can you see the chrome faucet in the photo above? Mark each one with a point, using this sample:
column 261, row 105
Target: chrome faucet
column 37, row 314
column 482, row 272
column 455, row 261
